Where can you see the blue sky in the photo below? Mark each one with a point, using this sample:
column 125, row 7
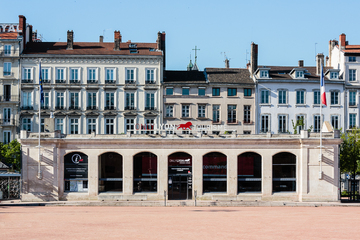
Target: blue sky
column 286, row 31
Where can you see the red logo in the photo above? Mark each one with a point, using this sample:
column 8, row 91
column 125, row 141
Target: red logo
column 185, row 126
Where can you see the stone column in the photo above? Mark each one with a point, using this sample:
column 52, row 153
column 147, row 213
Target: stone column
column 197, row 174
column 127, row 174
column 162, row 175
column 302, row 163
column 266, row 181
column 93, row 175
column 232, row 174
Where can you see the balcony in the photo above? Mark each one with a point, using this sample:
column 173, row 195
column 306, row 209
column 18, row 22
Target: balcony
column 129, row 81
column 149, row 82
column 129, row 108
column 248, row 121
column 232, row 121
column 26, row 81
column 7, row 122
column 9, row 98
column 27, row 108
column 46, row 81
column 110, row 81
column 74, row 108
column 109, row 107
column 59, row 108
column 92, row 81
column 8, row 74
column 91, row 108
column 150, row 108
column 74, row 81
column 45, row 107
column 60, row 81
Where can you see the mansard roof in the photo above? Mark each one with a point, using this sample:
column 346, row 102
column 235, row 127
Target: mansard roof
column 352, row 49
column 283, row 72
column 91, row 48
column 229, row 75
column 184, row 76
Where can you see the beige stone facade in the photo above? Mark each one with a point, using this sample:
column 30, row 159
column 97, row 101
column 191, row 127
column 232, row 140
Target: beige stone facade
column 304, row 148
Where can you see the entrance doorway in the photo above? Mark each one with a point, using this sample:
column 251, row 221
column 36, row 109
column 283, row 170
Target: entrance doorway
column 180, row 176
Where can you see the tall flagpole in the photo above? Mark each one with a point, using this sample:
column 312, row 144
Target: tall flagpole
column 322, row 86
column 40, row 88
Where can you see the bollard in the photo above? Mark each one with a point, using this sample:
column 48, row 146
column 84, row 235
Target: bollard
column 165, row 198
column 195, row 193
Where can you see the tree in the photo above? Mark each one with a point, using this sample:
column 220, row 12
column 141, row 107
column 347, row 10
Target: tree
column 11, row 154
column 350, row 152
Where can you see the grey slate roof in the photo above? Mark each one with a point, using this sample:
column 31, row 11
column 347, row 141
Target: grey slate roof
column 283, row 73
column 229, row 75
column 184, row 76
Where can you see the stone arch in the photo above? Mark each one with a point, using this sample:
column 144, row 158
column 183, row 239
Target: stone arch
column 110, row 172
column 249, row 172
column 145, row 172
column 214, row 172
column 284, row 172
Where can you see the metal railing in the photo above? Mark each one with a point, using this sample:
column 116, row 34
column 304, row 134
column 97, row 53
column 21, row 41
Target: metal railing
column 26, row 81
column 8, row 122
column 110, row 81
column 129, row 81
column 109, row 107
column 60, row 81
column 129, row 108
column 27, row 108
column 91, row 108
column 92, row 81
column 9, row 98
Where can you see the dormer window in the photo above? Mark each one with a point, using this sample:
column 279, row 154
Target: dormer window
column 133, row 48
column 299, row 74
column 334, row 75
column 264, row 73
column 352, row 59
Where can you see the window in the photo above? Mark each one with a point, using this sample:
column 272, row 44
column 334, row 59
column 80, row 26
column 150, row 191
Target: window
column 282, row 96
column 92, row 75
column 185, row 91
column 130, row 125
column 27, row 76
column 231, row 113
column 27, row 100
column 185, row 111
column 74, row 101
column 59, row 100
column 130, row 78
column 169, row 91
column 352, row 75
column 284, row 172
column 7, row 115
column 45, row 104
column 74, row 75
column 7, row 49
column 109, row 101
column 247, row 92
column 299, row 74
column 150, row 76
column 247, row 114
column 264, row 128
column 334, row 75
column 60, row 75
column 201, row 111
column 201, row 91
column 214, row 172
column 145, row 172
column 232, row 92
column 300, row 97
column 45, row 74
column 169, row 110
column 6, row 137
column 150, row 101
column 26, row 124
column 352, row 59
column 352, row 98
column 91, row 101
column 264, row 74
column 334, row 98
column 149, row 126
column 109, row 77
column 216, row 113
column 59, row 124
column 129, row 101
column 335, row 121
column 249, row 172
column 282, row 123
column 91, row 125
column 317, row 123
column 109, row 126
column 316, row 97
column 216, row 91
column 7, row 68
column 352, row 120
column 7, row 93
column 74, row 126
column 265, row 94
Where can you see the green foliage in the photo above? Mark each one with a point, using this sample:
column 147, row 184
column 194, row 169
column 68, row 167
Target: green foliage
column 299, row 123
column 350, row 151
column 11, row 154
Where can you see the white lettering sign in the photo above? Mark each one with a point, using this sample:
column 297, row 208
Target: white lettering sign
column 9, row 28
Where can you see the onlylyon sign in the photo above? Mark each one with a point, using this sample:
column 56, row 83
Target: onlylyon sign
column 188, row 126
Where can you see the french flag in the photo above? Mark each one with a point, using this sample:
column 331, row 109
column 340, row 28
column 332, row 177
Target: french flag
column 322, row 87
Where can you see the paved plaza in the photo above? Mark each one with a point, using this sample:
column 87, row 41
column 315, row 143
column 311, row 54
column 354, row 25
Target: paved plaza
column 103, row 222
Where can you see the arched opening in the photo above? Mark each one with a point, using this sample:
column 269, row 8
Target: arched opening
column 111, row 172
column 214, row 172
column 180, row 176
column 145, row 172
column 76, row 172
column 249, row 172
column 284, row 172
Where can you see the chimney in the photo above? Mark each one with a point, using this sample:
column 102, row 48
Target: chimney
column 327, row 61
column 301, row 63
column 319, row 62
column 227, row 63
column 117, row 40
column 254, row 57
column 342, row 40
column 30, row 33
column 70, row 40
column 22, row 27
column 161, row 44
column 101, row 39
